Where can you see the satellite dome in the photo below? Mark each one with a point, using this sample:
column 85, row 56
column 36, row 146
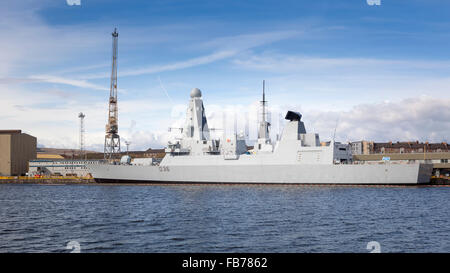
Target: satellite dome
column 196, row 93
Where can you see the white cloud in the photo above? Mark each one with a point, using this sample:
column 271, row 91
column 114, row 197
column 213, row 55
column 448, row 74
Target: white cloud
column 420, row 118
column 73, row 2
column 144, row 122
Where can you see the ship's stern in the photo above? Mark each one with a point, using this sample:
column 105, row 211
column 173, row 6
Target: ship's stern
column 425, row 171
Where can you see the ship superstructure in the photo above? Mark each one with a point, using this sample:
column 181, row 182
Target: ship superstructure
column 296, row 158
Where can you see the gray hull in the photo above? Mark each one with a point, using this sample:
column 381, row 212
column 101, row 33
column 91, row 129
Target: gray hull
column 385, row 174
column 297, row 157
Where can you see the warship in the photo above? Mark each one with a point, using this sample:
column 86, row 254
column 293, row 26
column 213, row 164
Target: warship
column 297, row 157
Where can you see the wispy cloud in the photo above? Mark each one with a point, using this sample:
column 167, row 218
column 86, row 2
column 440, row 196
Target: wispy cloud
column 33, row 43
column 60, row 54
column 225, row 47
column 62, row 80
column 169, row 67
column 292, row 63
column 250, row 40
column 340, row 83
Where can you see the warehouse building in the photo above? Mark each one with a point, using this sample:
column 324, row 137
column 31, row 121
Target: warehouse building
column 440, row 160
column 61, row 167
column 16, row 149
column 77, row 167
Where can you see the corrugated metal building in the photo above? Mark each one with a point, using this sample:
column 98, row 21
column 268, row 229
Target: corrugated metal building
column 61, row 167
column 16, row 149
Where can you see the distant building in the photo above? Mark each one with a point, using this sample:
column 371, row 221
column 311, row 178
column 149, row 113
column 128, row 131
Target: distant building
column 362, row 147
column 409, row 147
column 16, row 149
column 49, row 156
column 59, row 153
column 369, row 147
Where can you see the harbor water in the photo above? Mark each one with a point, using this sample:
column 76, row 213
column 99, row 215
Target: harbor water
column 241, row 218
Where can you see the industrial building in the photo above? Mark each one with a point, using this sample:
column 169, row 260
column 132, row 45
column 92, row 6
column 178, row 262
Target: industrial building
column 60, row 167
column 440, row 161
column 77, row 167
column 371, row 152
column 16, row 149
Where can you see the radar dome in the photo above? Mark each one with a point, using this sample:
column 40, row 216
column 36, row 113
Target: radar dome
column 196, row 93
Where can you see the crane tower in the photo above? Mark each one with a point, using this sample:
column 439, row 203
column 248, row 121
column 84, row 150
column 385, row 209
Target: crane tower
column 112, row 139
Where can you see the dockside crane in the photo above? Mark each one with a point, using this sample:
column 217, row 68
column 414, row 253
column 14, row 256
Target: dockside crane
column 112, row 138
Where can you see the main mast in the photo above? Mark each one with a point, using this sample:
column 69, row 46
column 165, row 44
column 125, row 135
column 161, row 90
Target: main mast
column 112, row 139
column 263, row 143
column 263, row 132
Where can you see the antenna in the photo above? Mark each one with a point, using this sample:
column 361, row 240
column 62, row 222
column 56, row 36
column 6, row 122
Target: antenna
column 128, row 144
column 112, row 138
column 263, row 132
column 81, row 116
column 264, row 100
column 334, row 134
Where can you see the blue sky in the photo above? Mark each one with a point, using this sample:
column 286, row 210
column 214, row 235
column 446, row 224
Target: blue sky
column 380, row 72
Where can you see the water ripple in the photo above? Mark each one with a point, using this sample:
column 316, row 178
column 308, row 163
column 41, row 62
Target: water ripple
column 223, row 218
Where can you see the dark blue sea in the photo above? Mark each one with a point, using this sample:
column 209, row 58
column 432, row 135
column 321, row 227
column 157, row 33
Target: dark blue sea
column 102, row 218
